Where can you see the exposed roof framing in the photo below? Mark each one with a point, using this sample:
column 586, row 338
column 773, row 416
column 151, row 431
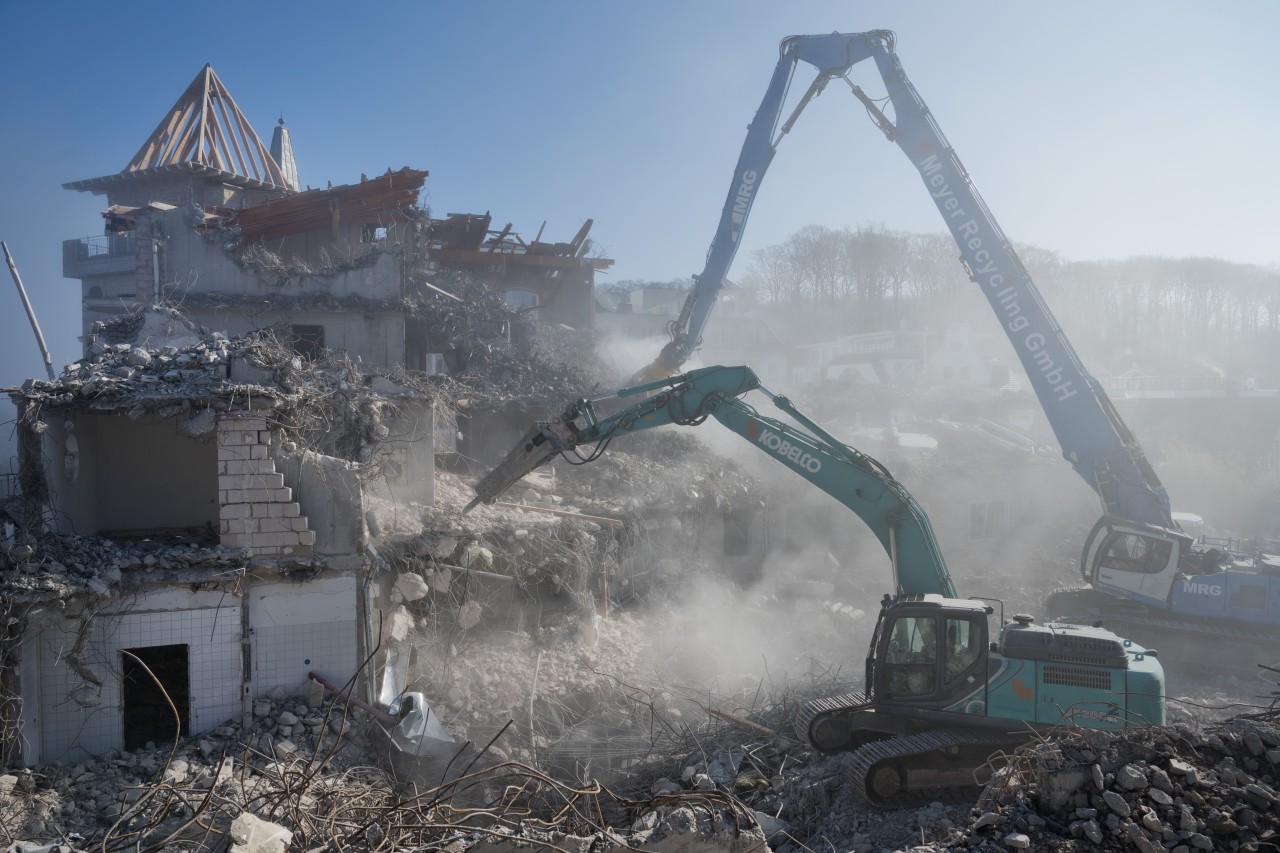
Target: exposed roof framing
column 204, row 133
column 205, row 126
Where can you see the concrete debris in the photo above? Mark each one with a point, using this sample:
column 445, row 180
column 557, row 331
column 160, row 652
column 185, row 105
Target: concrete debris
column 1177, row 788
column 251, row 834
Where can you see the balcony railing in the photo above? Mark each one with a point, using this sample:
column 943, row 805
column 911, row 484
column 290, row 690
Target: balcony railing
column 107, row 245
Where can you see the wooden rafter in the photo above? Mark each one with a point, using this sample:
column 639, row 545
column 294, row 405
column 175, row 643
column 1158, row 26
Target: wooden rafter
column 206, row 128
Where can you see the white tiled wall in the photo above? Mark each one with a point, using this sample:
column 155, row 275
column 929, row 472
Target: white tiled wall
column 71, row 733
column 297, row 628
column 302, row 628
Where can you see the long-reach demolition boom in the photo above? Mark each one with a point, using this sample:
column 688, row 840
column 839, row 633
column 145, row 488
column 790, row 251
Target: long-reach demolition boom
column 1140, row 565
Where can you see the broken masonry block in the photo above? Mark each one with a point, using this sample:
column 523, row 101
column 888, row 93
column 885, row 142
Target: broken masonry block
column 411, row 586
column 273, row 525
column 247, row 424
column 234, row 437
column 230, row 511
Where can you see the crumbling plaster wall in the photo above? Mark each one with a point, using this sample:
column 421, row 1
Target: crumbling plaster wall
column 194, row 264
column 129, row 474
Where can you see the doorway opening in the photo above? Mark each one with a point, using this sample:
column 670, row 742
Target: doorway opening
column 148, row 716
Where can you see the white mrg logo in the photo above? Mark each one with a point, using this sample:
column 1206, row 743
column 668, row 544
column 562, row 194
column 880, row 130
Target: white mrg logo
column 791, row 452
column 742, row 203
column 1197, row 588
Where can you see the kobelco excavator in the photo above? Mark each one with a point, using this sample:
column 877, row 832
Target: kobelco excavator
column 944, row 688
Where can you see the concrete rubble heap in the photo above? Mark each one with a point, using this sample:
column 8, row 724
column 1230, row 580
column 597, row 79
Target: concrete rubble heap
column 1179, row 788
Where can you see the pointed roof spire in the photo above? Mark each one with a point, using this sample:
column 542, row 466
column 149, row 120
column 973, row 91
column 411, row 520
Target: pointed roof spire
column 207, row 128
column 204, row 133
column 282, row 153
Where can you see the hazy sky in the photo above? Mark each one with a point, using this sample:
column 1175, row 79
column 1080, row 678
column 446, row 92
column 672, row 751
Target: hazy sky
column 1096, row 128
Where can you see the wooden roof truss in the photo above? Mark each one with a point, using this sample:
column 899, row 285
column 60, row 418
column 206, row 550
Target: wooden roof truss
column 206, row 127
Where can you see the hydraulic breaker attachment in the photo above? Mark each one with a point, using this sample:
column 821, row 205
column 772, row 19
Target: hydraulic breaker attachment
column 538, row 446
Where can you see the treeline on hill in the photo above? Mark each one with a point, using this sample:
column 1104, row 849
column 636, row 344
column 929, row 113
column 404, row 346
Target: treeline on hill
column 1154, row 312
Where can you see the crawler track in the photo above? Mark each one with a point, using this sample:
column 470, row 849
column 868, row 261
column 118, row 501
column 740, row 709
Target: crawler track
column 900, row 771
column 947, row 765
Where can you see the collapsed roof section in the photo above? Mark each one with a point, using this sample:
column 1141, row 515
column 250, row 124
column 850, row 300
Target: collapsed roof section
column 387, row 198
column 465, row 241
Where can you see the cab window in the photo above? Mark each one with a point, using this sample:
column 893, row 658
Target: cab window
column 911, row 658
column 962, row 648
column 1131, row 552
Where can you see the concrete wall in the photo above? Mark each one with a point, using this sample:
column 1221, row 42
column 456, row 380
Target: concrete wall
column 300, row 628
column 411, row 441
column 182, row 190
column 206, row 266
column 346, row 243
column 377, row 339
column 295, row 628
column 132, row 474
column 329, row 493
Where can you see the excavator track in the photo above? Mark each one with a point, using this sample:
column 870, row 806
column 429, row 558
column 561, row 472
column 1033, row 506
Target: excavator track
column 946, row 765
column 824, row 725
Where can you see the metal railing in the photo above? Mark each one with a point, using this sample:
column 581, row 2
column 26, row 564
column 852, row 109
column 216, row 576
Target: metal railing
column 107, row 245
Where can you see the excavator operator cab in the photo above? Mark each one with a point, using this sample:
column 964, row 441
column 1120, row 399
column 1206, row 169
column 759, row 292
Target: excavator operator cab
column 928, row 647
column 1137, row 560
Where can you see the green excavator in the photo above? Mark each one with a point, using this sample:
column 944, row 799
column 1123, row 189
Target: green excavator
column 944, row 687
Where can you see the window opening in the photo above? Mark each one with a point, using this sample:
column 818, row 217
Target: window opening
column 1132, row 552
column 307, row 341
column 986, row 520
column 963, row 646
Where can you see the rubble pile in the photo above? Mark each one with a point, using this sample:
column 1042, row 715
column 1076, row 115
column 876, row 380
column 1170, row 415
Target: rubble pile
column 301, row 776
column 56, row 563
column 151, row 793
column 1177, row 788
column 191, row 368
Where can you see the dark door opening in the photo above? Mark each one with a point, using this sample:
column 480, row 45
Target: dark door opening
column 147, row 714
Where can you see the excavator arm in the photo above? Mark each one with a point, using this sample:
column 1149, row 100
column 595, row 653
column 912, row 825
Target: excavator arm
column 854, row 479
column 832, row 55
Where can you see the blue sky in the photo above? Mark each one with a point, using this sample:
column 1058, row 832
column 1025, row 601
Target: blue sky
column 1096, row 129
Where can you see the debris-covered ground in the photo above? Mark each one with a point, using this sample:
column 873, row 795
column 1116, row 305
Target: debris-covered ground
column 665, row 725
column 601, row 681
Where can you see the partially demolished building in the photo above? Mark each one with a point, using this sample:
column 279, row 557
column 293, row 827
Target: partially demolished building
column 262, row 364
